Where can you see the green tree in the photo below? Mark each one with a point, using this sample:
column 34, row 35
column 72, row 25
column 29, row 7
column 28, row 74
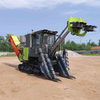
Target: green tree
column 83, row 46
column 5, row 45
column 93, row 44
column 88, row 47
column 73, row 46
column 67, row 45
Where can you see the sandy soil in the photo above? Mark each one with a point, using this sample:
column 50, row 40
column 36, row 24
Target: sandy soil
column 15, row 85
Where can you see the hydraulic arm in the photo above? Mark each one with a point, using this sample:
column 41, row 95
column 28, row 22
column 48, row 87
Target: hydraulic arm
column 74, row 26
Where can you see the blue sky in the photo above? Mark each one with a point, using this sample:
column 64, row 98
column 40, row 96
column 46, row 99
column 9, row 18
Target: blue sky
column 19, row 17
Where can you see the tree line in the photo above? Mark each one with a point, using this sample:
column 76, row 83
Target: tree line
column 5, row 46
column 71, row 45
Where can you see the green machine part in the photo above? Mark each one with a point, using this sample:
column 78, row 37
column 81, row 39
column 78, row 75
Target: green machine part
column 16, row 40
column 25, row 53
column 75, row 31
column 20, row 57
column 24, row 56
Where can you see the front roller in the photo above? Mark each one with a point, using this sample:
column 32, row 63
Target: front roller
column 46, row 66
column 63, row 65
column 63, row 68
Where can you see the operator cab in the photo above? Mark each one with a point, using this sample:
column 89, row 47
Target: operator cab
column 45, row 39
column 40, row 39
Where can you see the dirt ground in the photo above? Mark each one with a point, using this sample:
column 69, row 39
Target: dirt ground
column 15, row 85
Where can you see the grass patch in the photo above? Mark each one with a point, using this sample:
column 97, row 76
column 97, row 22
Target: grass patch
column 92, row 54
column 8, row 55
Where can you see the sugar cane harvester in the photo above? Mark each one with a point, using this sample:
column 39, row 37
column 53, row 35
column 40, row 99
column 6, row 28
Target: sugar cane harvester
column 37, row 50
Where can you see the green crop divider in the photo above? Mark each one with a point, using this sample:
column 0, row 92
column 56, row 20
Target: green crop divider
column 75, row 31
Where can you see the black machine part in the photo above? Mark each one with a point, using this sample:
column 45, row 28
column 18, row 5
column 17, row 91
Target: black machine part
column 62, row 66
column 22, row 42
column 78, row 25
column 46, row 66
column 89, row 28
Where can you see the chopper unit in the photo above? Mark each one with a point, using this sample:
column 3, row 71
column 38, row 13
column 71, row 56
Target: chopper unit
column 37, row 50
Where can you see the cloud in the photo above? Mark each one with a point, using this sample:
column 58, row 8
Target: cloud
column 72, row 12
column 13, row 4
